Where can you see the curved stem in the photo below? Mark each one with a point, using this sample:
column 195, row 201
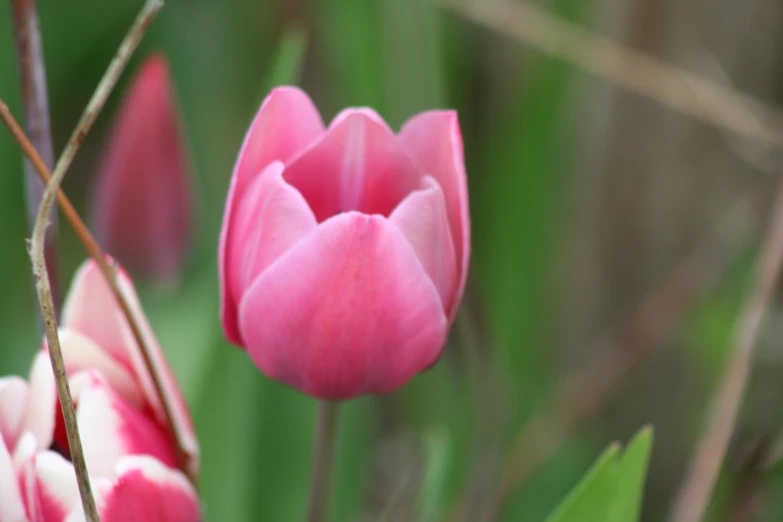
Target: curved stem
column 323, row 461
column 186, row 454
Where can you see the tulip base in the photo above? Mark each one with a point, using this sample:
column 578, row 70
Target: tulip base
column 323, row 461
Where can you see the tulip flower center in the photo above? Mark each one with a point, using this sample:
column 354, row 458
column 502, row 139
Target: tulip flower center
column 358, row 165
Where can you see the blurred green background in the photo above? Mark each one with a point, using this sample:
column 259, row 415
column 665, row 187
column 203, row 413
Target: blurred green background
column 583, row 198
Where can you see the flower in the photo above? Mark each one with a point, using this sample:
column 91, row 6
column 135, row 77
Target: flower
column 127, row 442
column 141, row 198
column 344, row 251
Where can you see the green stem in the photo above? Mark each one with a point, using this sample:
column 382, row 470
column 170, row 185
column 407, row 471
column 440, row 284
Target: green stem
column 323, row 461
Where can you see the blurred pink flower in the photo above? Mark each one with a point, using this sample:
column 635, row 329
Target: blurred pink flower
column 127, row 444
column 141, row 201
column 344, row 251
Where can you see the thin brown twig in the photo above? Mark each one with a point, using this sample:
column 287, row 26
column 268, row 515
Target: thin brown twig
column 38, row 260
column 90, row 114
column 672, row 86
column 711, row 450
column 185, row 456
column 90, row 245
column 652, row 320
column 36, row 250
column 105, row 87
column 32, row 77
column 43, row 172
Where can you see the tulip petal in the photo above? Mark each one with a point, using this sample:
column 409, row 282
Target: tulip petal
column 422, row 219
column 111, row 430
column 142, row 200
column 271, row 217
column 56, row 491
column 81, row 353
column 91, row 310
column 434, row 140
column 42, row 402
column 11, row 505
column 347, row 311
column 286, row 123
column 149, row 491
column 358, row 165
column 13, row 407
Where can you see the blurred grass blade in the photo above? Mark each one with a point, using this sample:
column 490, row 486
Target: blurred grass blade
column 289, row 56
column 350, row 48
column 436, row 467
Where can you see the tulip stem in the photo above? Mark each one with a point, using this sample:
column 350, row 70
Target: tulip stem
column 323, row 461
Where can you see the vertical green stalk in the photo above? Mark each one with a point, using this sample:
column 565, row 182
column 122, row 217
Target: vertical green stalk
column 323, row 461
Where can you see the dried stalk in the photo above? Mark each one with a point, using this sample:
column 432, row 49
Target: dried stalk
column 653, row 319
column 32, row 77
column 94, row 106
column 103, row 90
column 35, row 248
column 695, row 494
column 145, row 17
column 677, row 88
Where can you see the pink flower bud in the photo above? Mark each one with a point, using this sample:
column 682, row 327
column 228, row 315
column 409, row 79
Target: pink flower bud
column 141, row 202
column 126, row 439
column 344, row 251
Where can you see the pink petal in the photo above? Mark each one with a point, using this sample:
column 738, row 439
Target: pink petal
column 11, row 505
column 13, row 408
column 25, row 450
column 142, row 199
column 285, row 124
column 81, row 353
column 42, row 402
column 357, row 165
column 92, row 310
column 55, row 492
column 271, row 217
column 111, row 430
column 148, row 491
column 347, row 311
column 434, row 140
column 179, row 408
column 422, row 219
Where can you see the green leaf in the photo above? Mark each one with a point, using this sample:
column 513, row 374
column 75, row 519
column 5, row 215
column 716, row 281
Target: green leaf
column 612, row 489
column 630, row 479
column 588, row 500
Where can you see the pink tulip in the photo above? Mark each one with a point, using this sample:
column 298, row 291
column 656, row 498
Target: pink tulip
column 141, row 202
column 344, row 250
column 127, row 443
